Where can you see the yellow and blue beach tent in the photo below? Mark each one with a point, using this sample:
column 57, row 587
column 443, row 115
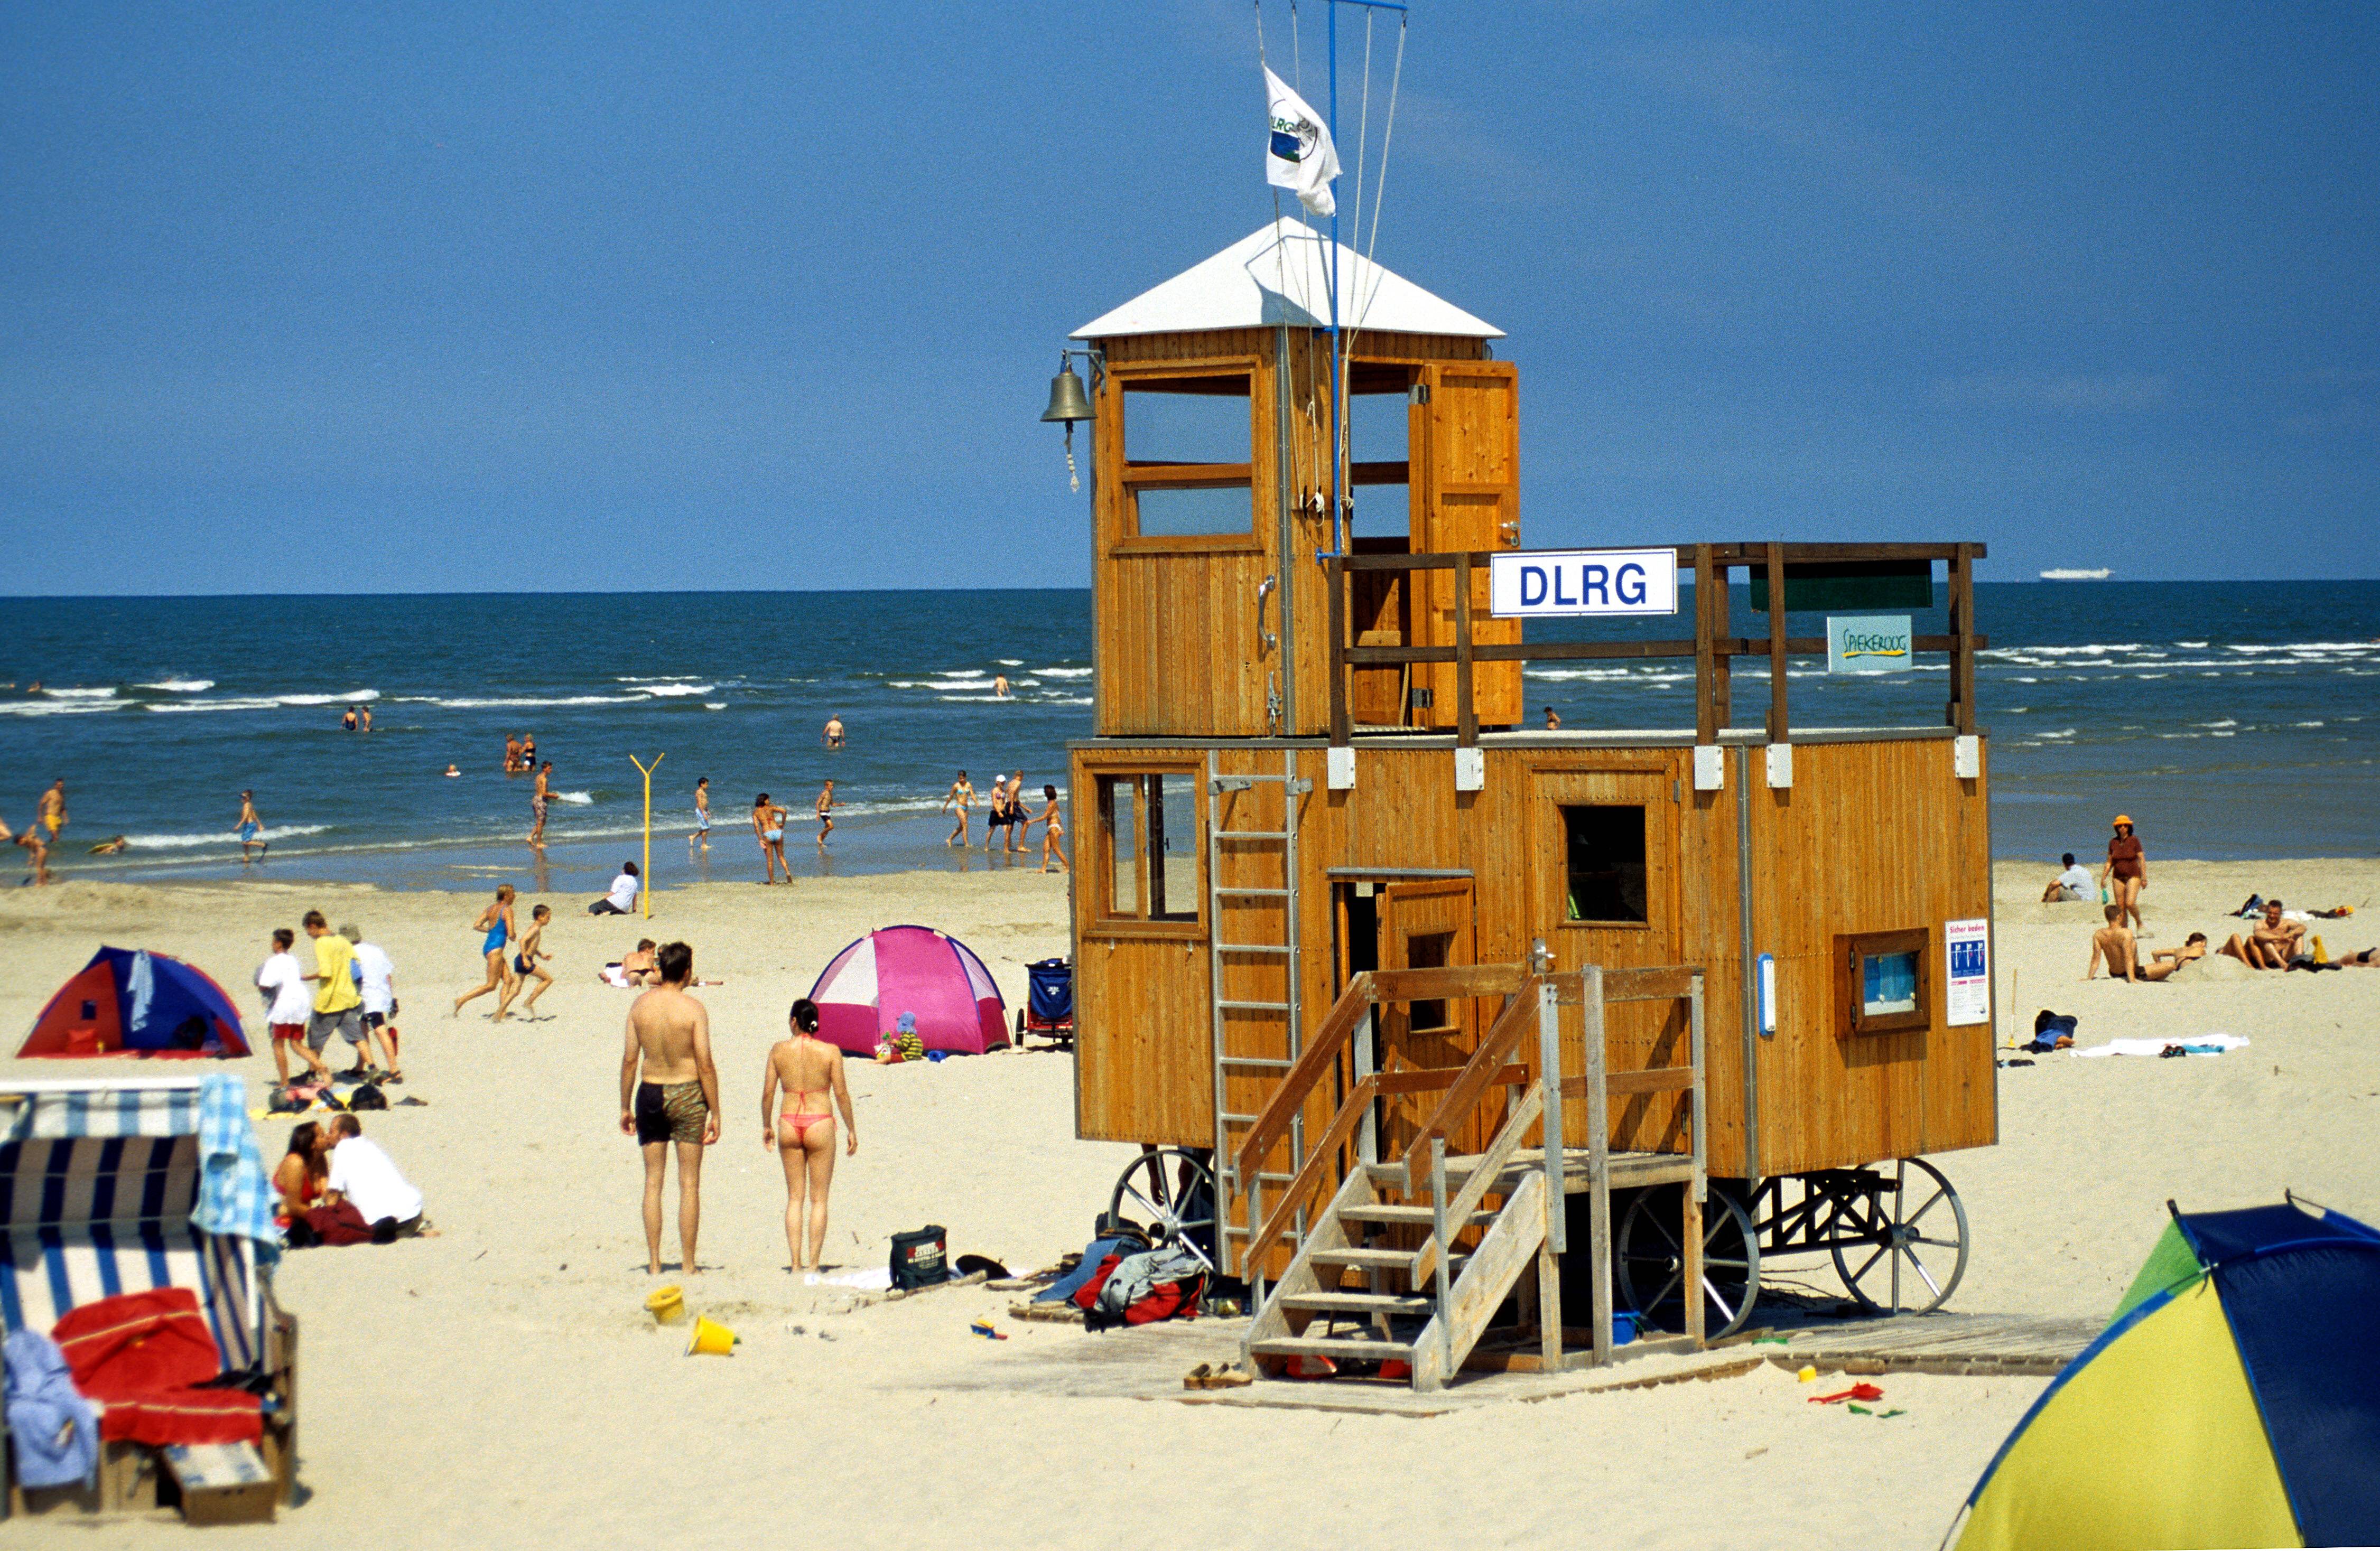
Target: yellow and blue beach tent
column 2233, row 1400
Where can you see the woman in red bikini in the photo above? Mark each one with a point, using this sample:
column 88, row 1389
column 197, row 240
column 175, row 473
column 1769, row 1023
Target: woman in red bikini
column 299, row 1176
column 809, row 1069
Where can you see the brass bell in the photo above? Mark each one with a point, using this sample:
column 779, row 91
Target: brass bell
column 1067, row 401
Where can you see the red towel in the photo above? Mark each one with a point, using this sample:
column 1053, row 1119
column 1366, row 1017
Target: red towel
column 139, row 1354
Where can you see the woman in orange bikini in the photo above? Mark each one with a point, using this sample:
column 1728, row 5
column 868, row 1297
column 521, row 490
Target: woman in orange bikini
column 809, row 1069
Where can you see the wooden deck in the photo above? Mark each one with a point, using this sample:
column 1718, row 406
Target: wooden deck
column 1943, row 1343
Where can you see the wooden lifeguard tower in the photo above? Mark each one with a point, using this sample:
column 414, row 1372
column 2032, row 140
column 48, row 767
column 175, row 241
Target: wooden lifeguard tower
column 1408, row 977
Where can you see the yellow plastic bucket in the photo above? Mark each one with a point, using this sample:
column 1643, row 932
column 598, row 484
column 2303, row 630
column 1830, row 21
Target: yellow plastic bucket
column 711, row 1337
column 667, row 1304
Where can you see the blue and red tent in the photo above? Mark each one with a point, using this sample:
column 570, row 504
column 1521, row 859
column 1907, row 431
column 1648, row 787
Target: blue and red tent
column 132, row 1001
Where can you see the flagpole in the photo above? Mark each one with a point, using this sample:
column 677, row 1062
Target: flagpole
column 1330, row 289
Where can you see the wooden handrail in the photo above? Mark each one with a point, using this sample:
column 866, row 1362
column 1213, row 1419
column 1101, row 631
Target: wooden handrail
column 1479, row 1074
column 1342, row 1125
column 1448, row 983
column 1483, row 1173
column 1322, row 1055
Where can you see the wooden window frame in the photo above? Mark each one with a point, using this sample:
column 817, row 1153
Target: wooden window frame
column 1095, row 858
column 1600, row 926
column 1135, row 477
column 1851, row 980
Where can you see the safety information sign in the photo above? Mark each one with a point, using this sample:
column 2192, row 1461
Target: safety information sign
column 1967, row 988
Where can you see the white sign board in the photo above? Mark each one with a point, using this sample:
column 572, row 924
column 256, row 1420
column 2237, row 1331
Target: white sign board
column 1967, row 988
column 1571, row 584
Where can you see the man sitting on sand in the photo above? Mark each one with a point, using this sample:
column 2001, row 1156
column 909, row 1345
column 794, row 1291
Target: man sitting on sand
column 2073, row 884
column 2272, row 945
column 669, row 1096
column 2114, row 944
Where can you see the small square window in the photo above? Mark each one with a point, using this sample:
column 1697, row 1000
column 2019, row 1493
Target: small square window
column 1605, row 861
column 1147, row 826
column 1881, row 981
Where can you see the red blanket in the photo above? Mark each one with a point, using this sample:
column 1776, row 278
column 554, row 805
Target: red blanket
column 139, row 1354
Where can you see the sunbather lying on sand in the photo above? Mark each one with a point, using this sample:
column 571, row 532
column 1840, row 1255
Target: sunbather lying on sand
column 2165, row 961
column 2272, row 945
column 634, row 968
column 2368, row 959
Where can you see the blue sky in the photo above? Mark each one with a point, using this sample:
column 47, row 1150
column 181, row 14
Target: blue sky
column 514, row 297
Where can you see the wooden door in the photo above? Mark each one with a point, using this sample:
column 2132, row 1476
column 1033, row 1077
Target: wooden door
column 1603, row 859
column 1466, row 492
column 1424, row 925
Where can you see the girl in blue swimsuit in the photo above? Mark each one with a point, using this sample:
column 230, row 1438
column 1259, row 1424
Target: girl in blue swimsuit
column 496, row 920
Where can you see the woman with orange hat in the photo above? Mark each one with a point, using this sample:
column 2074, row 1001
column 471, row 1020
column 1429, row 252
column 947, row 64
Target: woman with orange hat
column 2127, row 872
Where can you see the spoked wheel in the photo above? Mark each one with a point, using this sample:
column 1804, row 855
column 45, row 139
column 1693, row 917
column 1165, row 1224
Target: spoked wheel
column 1903, row 1248
column 1652, row 1262
column 1169, row 1192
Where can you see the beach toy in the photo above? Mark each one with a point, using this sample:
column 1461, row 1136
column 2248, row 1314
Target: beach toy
column 1806, row 1375
column 1623, row 1328
column 983, row 1327
column 711, row 1337
column 667, row 1304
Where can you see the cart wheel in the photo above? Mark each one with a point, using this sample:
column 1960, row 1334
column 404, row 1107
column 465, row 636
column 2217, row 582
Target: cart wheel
column 1874, row 1270
column 1172, row 1193
column 1652, row 1260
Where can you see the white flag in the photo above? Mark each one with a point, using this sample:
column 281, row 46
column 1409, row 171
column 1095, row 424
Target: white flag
column 1299, row 154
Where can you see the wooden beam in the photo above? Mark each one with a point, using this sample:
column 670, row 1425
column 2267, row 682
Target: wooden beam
column 1963, row 640
column 1723, row 647
column 1322, row 1055
column 1319, row 1157
column 1478, row 1075
column 1707, row 580
column 1777, row 646
column 1335, row 577
column 1484, row 1172
column 1654, row 983
column 1453, row 982
column 1431, row 1079
column 1657, row 1079
column 1466, row 720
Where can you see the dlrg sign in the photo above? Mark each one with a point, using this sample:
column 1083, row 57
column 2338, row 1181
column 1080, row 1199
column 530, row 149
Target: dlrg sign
column 1564, row 584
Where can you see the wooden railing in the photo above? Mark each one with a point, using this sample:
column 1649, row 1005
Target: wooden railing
column 1712, row 649
column 1354, row 1009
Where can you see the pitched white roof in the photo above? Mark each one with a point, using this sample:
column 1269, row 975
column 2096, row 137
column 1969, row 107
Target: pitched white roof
column 1275, row 275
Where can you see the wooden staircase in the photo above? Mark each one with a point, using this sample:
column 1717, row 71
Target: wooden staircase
column 1427, row 1306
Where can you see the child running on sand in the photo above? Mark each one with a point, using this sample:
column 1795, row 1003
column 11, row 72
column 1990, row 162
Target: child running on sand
column 811, row 1071
column 496, row 921
column 527, row 965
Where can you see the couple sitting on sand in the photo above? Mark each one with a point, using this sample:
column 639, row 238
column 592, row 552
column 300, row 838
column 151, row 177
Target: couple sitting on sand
column 2278, row 943
column 669, row 1099
column 2115, row 945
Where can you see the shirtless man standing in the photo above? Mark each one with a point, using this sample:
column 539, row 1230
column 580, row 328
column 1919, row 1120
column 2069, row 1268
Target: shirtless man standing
column 537, row 801
column 835, row 731
column 669, row 1096
column 2114, row 944
column 701, row 814
column 1014, row 793
column 53, row 809
column 825, row 813
column 512, row 755
column 250, row 829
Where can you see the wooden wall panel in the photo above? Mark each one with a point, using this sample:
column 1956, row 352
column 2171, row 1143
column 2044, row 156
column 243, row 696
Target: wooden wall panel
column 1871, row 837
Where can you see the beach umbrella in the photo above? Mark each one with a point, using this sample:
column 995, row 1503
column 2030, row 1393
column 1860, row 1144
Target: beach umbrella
column 936, row 980
column 2234, row 1400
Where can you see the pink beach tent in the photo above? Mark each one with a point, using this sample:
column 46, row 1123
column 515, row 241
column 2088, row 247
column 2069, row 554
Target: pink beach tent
column 910, row 969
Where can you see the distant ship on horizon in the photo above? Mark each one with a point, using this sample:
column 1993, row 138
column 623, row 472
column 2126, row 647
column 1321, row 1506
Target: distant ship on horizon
column 2073, row 573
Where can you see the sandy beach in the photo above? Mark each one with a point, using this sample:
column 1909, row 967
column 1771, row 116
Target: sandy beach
column 501, row 1384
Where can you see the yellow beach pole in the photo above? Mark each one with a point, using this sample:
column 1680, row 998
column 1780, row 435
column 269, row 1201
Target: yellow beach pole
column 645, row 895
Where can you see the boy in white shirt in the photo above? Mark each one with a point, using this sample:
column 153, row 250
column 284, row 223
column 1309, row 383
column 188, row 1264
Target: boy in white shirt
column 377, row 982
column 288, row 1004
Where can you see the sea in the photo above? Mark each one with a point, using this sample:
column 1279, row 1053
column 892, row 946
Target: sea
column 2231, row 719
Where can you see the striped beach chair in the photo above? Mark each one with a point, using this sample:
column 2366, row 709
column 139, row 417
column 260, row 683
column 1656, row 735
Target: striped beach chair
column 101, row 1184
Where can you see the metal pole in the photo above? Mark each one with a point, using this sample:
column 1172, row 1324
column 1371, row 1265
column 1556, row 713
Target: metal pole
column 645, row 895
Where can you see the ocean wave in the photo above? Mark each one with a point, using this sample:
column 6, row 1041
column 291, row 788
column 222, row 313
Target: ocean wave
column 354, row 698
column 2193, row 646
column 2227, row 722
column 234, row 703
column 714, row 704
column 226, row 837
column 580, row 799
column 2358, row 647
column 180, row 687
column 1012, row 661
column 527, row 702
column 1063, row 672
column 675, row 688
column 60, row 707
column 80, row 694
